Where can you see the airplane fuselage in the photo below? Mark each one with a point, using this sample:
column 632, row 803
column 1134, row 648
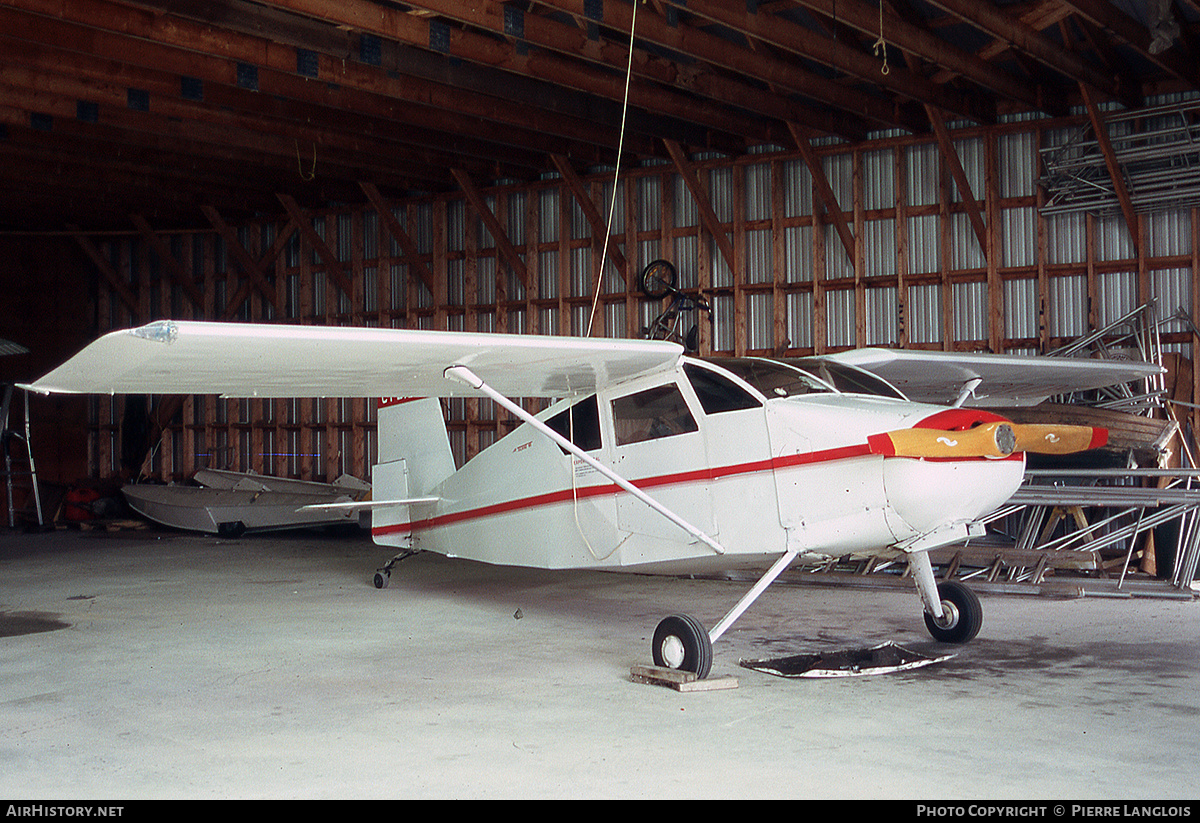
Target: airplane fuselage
column 763, row 456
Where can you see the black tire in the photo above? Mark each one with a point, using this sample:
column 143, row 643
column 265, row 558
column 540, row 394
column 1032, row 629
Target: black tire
column 658, row 278
column 963, row 613
column 680, row 642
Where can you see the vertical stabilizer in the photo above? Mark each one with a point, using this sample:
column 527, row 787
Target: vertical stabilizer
column 412, row 430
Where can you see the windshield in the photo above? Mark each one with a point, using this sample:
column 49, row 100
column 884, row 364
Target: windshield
column 772, row 378
column 848, row 379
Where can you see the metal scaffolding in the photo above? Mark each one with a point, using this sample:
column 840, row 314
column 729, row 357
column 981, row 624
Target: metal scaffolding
column 23, row 467
column 1157, row 149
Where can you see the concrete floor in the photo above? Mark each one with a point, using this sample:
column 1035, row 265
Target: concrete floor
column 268, row 667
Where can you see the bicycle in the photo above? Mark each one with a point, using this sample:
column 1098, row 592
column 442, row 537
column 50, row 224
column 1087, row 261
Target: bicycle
column 656, row 282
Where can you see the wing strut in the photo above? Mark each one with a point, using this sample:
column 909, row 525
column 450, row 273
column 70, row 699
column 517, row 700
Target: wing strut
column 465, row 375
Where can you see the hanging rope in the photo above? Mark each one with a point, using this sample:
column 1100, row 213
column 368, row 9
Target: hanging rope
column 616, row 175
column 599, row 281
column 310, row 176
column 881, row 44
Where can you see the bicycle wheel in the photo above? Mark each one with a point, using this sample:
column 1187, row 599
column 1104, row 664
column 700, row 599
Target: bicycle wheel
column 657, row 279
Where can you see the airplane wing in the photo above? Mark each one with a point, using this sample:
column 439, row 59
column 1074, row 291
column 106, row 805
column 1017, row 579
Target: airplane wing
column 1004, row 380
column 265, row 360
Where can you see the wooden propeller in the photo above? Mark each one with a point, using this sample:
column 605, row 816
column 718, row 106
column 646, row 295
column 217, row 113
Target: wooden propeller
column 997, row 439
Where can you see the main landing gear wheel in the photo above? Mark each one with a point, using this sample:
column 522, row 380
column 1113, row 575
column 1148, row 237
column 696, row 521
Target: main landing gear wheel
column 680, row 642
column 962, row 616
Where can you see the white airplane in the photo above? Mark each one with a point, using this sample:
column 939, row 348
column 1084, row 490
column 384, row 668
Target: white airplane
column 649, row 460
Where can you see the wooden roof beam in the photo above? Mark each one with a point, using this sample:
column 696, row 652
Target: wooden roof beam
column 486, row 50
column 599, row 227
column 795, row 39
column 85, row 164
column 168, row 46
column 409, row 246
column 950, row 155
column 507, row 250
column 998, row 23
column 671, row 88
column 416, row 63
column 1124, row 28
column 1115, row 172
column 708, row 217
column 218, row 119
column 918, row 41
column 1049, row 85
column 708, row 49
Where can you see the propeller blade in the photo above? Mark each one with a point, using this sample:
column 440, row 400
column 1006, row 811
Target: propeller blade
column 989, row 440
column 997, row 439
column 1048, row 438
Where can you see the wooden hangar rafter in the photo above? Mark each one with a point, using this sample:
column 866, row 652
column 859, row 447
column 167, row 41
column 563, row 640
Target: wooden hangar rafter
column 121, row 107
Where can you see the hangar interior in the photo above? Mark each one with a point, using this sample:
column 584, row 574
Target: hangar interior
column 1009, row 176
column 1015, row 177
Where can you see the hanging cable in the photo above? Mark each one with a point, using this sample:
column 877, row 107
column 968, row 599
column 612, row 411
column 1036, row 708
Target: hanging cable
column 616, row 174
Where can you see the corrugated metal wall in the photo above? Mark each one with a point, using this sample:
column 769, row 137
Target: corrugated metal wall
column 917, row 275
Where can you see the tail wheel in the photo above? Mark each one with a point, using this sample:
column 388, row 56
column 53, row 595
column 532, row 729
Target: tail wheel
column 680, row 642
column 657, row 278
column 962, row 616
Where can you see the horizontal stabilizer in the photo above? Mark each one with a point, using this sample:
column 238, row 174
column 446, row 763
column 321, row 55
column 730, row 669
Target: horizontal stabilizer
column 368, row 505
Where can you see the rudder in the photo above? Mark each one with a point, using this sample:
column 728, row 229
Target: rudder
column 412, row 430
column 414, row 458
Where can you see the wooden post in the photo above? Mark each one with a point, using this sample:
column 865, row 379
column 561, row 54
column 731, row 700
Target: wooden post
column 820, row 323
column 860, row 222
column 995, row 286
column 779, row 339
column 901, row 211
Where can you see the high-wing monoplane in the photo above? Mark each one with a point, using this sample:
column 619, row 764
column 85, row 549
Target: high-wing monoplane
column 648, row 460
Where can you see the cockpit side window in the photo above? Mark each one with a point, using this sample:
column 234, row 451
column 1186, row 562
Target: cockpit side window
column 651, row 414
column 580, row 424
column 717, row 393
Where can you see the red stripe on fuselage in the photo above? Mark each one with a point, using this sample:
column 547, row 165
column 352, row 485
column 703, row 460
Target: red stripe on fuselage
column 698, row 475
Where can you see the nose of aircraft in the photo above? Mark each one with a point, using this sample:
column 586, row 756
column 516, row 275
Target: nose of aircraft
column 963, row 463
